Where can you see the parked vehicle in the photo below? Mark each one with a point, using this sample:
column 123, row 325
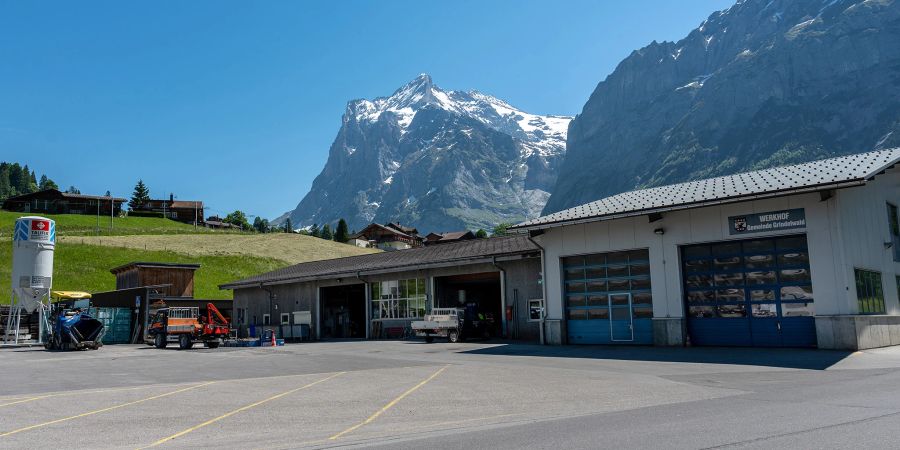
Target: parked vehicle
column 187, row 326
column 442, row 322
column 454, row 324
column 70, row 326
column 73, row 329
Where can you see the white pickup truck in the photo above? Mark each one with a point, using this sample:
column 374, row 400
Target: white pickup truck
column 442, row 322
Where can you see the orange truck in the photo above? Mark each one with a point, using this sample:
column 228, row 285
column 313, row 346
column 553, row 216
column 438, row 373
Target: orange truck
column 187, row 326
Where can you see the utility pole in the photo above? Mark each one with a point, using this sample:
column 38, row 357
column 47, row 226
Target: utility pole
column 98, row 215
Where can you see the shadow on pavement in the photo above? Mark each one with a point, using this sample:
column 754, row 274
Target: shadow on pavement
column 811, row 359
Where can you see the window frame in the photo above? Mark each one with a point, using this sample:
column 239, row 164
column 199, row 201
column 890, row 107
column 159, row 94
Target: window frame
column 893, row 213
column 397, row 301
column 285, row 318
column 873, row 288
column 267, row 320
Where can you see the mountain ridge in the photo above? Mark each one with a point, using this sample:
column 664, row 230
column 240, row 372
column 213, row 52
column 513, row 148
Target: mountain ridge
column 759, row 84
column 437, row 160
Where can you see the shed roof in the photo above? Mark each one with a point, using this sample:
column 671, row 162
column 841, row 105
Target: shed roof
column 154, row 265
column 461, row 252
column 832, row 173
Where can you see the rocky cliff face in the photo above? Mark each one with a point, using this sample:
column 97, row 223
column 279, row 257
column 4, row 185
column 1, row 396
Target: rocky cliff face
column 763, row 83
column 437, row 160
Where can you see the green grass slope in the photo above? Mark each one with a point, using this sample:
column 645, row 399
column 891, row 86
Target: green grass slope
column 291, row 248
column 86, row 225
column 80, row 267
column 82, row 258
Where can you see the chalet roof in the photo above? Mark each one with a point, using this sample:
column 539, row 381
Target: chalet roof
column 379, row 227
column 826, row 174
column 187, row 204
column 64, row 195
column 450, row 236
column 463, row 252
column 404, row 229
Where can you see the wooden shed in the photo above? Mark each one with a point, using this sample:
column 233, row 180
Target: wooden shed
column 177, row 278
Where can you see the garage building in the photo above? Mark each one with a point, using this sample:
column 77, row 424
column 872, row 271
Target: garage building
column 798, row 256
column 379, row 295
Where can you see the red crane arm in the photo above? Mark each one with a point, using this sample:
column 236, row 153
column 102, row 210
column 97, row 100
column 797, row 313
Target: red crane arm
column 211, row 311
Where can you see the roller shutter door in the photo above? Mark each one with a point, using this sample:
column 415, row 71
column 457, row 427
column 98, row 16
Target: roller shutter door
column 755, row 292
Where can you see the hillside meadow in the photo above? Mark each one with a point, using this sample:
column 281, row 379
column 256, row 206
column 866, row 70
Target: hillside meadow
column 83, row 258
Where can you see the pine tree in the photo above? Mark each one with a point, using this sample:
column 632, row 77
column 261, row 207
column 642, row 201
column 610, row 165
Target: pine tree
column 341, row 234
column 47, row 183
column 32, row 181
column 16, row 179
column 261, row 225
column 288, row 226
column 5, row 187
column 140, row 196
column 326, row 232
column 314, row 230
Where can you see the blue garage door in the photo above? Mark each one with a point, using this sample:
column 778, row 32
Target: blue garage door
column 608, row 298
column 749, row 293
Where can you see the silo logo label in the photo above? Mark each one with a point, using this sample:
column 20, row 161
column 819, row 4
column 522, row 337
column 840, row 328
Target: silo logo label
column 40, row 230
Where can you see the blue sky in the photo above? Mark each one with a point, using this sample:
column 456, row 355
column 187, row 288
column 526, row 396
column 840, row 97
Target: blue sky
column 236, row 103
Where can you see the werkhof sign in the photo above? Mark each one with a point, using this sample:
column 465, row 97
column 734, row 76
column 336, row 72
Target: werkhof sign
column 767, row 221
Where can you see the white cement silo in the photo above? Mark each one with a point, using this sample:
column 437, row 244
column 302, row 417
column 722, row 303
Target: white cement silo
column 34, row 241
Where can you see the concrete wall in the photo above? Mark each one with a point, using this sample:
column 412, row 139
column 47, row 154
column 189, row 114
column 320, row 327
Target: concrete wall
column 844, row 231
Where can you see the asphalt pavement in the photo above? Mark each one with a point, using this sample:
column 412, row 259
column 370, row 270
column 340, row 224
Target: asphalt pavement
column 407, row 394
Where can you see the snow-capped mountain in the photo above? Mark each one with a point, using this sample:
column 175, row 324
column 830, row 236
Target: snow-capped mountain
column 438, row 160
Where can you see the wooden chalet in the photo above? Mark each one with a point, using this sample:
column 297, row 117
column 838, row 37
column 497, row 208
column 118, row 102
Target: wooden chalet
column 388, row 237
column 53, row 201
column 446, row 238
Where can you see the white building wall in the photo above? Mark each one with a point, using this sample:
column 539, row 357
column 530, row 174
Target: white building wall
column 864, row 229
column 710, row 224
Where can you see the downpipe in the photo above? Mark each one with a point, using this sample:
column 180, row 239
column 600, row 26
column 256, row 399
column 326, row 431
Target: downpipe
column 543, row 339
column 503, row 304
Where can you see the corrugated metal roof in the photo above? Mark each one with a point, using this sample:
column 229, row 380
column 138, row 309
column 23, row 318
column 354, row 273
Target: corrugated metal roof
column 460, row 252
column 830, row 173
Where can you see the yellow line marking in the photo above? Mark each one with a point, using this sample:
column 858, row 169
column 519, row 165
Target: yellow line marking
column 98, row 411
column 243, row 408
column 417, row 429
column 24, row 400
column 95, row 391
column 390, row 405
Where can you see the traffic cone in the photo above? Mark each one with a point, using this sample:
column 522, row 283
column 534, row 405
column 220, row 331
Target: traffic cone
column 273, row 338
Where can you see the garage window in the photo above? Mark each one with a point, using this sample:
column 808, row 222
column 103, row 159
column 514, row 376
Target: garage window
column 869, row 293
column 285, row 319
column 267, row 320
column 398, row 299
